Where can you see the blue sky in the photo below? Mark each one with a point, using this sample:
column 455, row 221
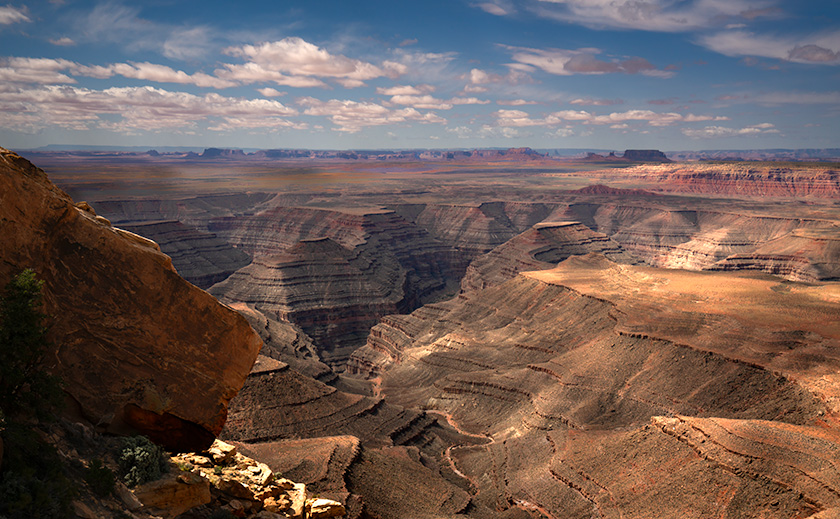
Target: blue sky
column 337, row 74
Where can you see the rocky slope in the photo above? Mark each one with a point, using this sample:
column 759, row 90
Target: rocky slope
column 564, row 370
column 355, row 449
column 118, row 311
column 539, row 248
column 475, row 229
column 200, row 258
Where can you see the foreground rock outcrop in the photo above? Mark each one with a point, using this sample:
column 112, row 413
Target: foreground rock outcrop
column 139, row 349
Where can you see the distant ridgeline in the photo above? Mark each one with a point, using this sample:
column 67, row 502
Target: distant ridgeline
column 630, row 156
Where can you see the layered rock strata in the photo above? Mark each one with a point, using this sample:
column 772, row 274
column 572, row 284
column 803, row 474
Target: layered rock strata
column 334, row 274
column 200, row 258
column 119, row 317
column 539, row 248
column 742, row 180
column 564, row 369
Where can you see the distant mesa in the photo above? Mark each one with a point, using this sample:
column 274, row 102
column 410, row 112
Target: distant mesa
column 645, row 156
column 629, row 156
column 213, row 153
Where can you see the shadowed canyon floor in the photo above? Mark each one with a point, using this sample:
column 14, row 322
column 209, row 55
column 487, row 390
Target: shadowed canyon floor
column 518, row 339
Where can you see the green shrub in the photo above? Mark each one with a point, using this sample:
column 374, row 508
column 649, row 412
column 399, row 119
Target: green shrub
column 141, row 461
column 24, row 387
column 99, row 478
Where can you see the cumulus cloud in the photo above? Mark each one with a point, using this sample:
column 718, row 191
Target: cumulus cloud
column 424, row 101
column 11, row 14
column 270, row 92
column 653, row 15
column 248, row 73
column 406, row 90
column 352, row 116
column 137, row 108
column 35, row 70
column 297, row 57
column 816, row 49
column 565, row 62
column 521, row 118
column 710, row 132
column 164, row 74
column 50, row 71
column 468, row 101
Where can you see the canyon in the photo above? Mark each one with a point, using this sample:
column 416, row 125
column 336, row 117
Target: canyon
column 483, row 335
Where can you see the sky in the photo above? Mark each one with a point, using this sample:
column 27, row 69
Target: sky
column 375, row 74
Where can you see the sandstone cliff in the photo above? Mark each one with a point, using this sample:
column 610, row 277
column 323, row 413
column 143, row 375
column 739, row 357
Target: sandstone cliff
column 138, row 348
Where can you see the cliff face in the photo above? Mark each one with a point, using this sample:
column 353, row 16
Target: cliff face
column 740, row 180
column 200, row 258
column 139, row 348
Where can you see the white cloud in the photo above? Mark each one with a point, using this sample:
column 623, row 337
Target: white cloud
column 270, row 92
column 298, row 57
column 424, row 101
column 494, row 8
column 163, row 74
column 462, row 132
column 10, row 14
column 405, row 90
column 816, row 49
column 248, row 73
column 35, row 70
column 137, row 108
column 63, row 42
column 596, row 102
column 653, row 15
column 565, row 62
column 352, row 116
column 468, row 101
column 474, row 89
column 515, row 102
column 710, row 132
column 520, row 118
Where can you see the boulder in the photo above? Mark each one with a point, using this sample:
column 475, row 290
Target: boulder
column 138, row 348
column 324, row 509
column 174, row 494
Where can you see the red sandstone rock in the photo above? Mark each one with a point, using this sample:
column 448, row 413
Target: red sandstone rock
column 139, row 348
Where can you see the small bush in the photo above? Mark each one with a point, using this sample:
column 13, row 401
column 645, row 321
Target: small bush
column 25, row 388
column 141, row 461
column 99, row 478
